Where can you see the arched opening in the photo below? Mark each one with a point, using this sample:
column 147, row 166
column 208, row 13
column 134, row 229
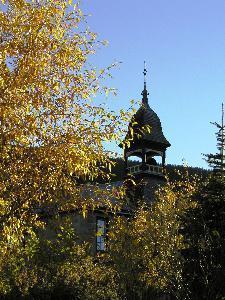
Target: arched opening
column 154, row 158
column 133, row 160
column 146, row 161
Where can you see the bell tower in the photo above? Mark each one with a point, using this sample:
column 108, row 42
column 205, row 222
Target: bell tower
column 145, row 140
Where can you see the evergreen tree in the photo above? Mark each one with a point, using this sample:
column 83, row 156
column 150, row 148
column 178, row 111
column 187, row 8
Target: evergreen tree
column 217, row 161
column 204, row 231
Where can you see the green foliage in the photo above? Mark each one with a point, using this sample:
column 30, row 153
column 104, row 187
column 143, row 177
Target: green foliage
column 175, row 171
column 51, row 265
column 204, row 233
column 145, row 250
column 217, row 161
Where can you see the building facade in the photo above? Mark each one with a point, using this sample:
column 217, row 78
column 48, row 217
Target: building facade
column 146, row 142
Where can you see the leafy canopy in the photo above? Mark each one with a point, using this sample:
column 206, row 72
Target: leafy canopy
column 51, row 129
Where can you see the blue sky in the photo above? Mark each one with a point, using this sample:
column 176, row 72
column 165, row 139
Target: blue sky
column 183, row 43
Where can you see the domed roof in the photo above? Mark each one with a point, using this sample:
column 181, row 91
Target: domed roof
column 144, row 117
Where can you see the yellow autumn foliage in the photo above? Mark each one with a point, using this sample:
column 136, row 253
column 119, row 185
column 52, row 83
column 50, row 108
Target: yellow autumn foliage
column 51, row 128
column 146, row 249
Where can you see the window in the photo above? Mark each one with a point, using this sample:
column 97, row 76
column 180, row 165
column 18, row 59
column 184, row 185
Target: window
column 101, row 234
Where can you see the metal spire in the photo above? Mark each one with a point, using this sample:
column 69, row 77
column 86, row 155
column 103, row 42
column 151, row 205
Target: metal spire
column 145, row 92
column 145, row 73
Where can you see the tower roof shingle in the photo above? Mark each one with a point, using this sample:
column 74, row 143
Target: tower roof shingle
column 145, row 116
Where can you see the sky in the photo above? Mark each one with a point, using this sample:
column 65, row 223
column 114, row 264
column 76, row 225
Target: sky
column 183, row 43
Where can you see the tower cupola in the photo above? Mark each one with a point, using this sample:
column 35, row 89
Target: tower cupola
column 145, row 140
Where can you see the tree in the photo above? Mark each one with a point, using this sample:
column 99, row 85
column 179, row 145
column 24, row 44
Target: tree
column 51, row 129
column 217, row 161
column 52, row 132
column 204, row 231
column 56, row 267
column 146, row 249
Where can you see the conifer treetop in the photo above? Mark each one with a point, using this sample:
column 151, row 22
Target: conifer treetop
column 217, row 160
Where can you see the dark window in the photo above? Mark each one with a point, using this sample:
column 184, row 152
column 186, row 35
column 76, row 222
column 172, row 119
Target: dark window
column 101, row 234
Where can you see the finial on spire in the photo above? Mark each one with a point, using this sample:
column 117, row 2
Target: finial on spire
column 145, row 73
column 145, row 92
